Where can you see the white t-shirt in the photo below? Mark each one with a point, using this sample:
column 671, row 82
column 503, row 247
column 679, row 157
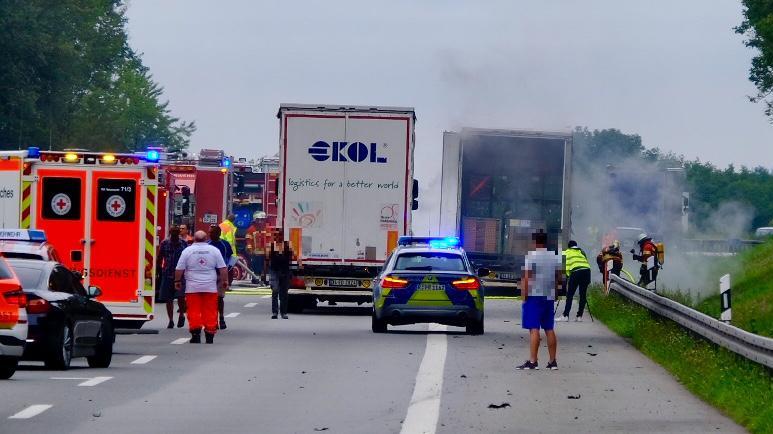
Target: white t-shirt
column 200, row 262
column 542, row 265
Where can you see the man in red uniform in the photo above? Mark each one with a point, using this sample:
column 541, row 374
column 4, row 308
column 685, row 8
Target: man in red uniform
column 206, row 277
column 258, row 238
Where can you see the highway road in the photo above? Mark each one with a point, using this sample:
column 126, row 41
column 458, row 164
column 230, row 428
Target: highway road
column 324, row 371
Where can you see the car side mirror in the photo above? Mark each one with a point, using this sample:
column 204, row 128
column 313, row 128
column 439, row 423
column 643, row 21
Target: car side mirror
column 93, row 291
column 483, row 272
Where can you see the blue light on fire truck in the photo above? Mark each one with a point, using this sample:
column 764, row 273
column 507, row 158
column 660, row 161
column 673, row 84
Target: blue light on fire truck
column 226, row 162
column 33, row 152
column 152, row 155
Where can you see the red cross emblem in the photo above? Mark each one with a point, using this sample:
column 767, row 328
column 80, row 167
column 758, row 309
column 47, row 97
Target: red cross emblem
column 116, row 205
column 61, row 204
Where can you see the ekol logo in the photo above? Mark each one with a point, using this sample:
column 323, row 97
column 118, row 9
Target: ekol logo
column 345, row 151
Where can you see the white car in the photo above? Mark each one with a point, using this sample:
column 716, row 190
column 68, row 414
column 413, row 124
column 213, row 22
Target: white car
column 13, row 321
column 763, row 232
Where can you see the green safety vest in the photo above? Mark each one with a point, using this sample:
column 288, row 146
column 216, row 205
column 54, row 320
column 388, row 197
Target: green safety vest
column 575, row 260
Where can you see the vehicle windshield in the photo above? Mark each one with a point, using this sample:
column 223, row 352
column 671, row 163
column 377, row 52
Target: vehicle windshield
column 5, row 272
column 19, row 255
column 429, row 261
column 28, row 277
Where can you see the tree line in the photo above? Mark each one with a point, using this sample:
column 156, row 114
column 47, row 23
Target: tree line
column 708, row 185
column 69, row 79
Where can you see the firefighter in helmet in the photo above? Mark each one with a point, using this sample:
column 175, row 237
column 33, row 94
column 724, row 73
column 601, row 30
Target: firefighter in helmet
column 610, row 253
column 258, row 237
column 648, row 256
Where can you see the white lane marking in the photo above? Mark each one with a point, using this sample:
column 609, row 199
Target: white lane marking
column 424, row 410
column 180, row 341
column 31, row 411
column 253, row 304
column 70, row 378
column 266, row 296
column 232, row 315
column 142, row 360
column 94, row 381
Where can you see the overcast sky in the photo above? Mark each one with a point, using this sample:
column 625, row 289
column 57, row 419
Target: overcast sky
column 673, row 72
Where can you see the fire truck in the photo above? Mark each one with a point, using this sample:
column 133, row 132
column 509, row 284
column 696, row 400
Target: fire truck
column 195, row 192
column 99, row 211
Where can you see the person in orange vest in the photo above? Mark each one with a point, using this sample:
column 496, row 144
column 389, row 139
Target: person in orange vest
column 258, row 237
column 648, row 272
column 610, row 253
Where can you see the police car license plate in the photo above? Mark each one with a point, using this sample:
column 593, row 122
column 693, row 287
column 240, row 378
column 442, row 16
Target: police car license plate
column 506, row 276
column 343, row 283
column 431, row 287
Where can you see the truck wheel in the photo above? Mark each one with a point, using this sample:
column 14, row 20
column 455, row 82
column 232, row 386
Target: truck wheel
column 296, row 303
column 103, row 354
column 378, row 325
column 8, row 367
column 475, row 327
column 60, row 350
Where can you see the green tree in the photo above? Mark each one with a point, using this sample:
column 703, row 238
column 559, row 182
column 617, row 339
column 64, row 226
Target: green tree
column 757, row 26
column 70, row 79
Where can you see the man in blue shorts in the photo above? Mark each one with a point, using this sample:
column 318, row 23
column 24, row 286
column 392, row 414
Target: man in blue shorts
column 542, row 274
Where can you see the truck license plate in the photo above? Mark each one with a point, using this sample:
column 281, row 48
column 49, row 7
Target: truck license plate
column 343, row 283
column 431, row 287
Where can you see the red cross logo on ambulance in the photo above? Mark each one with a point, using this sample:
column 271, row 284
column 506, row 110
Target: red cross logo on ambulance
column 61, row 204
column 116, row 206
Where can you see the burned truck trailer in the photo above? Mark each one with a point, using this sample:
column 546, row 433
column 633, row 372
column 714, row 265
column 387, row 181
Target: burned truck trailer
column 499, row 187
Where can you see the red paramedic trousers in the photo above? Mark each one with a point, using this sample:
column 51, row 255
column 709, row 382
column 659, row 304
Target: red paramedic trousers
column 202, row 311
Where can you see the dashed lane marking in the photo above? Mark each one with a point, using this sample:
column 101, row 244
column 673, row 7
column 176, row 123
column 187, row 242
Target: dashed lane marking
column 180, row 341
column 251, row 304
column 94, row 381
column 31, row 411
column 232, row 315
column 266, row 296
column 143, row 360
column 424, row 409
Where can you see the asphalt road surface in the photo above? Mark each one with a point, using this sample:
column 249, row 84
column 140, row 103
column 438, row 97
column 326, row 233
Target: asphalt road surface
column 324, row 371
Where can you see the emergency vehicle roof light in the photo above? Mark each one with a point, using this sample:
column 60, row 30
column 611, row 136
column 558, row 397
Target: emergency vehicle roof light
column 153, row 155
column 108, row 158
column 226, row 162
column 37, row 235
column 71, row 157
column 434, row 242
column 33, row 152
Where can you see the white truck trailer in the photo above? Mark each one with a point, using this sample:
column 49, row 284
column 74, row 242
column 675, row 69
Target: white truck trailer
column 500, row 186
column 345, row 197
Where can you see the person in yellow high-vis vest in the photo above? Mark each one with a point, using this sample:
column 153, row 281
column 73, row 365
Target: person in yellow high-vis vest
column 578, row 272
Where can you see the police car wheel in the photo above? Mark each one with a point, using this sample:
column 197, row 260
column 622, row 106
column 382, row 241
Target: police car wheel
column 8, row 367
column 60, row 352
column 103, row 354
column 378, row 325
column 475, row 327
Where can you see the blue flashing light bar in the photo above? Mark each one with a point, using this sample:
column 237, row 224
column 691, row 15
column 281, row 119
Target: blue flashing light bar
column 33, row 152
column 22, row 235
column 433, row 242
column 226, row 162
column 152, row 155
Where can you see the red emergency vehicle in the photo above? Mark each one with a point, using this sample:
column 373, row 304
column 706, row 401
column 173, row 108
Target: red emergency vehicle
column 99, row 211
column 195, row 192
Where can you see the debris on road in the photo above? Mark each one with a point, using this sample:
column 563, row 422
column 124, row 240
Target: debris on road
column 502, row 405
column 574, row 396
column 593, row 354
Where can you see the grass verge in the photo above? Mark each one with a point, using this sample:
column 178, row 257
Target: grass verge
column 741, row 389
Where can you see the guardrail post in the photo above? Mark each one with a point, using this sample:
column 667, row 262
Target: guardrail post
column 726, row 314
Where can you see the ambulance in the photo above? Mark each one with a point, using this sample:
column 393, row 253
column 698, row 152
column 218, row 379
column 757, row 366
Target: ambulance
column 99, row 211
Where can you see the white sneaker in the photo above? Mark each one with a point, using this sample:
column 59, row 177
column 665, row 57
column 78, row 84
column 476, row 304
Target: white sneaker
column 562, row 319
column 578, row 319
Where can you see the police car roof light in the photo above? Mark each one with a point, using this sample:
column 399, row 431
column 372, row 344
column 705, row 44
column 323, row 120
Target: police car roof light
column 152, row 155
column 22, row 235
column 434, row 242
column 33, row 152
column 37, row 235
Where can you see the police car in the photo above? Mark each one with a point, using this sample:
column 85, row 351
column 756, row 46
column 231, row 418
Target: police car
column 26, row 244
column 428, row 279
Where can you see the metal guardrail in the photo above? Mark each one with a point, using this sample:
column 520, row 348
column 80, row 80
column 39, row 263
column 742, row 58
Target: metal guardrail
column 754, row 347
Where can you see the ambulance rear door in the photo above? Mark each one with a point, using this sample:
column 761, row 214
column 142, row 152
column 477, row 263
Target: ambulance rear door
column 10, row 189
